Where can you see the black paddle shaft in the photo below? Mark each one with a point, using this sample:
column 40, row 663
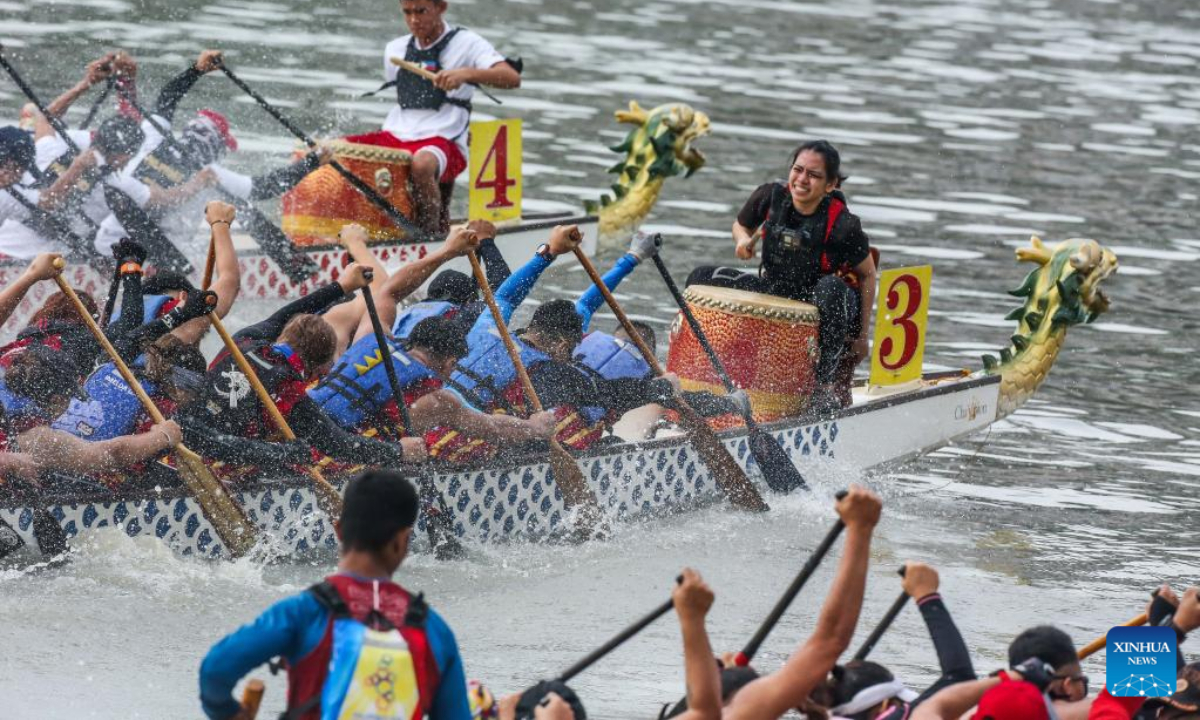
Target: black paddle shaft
column 379, row 201
column 95, row 108
column 777, row 468
column 385, row 350
column 747, row 653
column 617, row 640
column 295, row 263
column 884, row 623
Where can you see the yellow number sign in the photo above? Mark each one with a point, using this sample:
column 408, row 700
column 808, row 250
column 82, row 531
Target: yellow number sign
column 495, row 148
column 900, row 320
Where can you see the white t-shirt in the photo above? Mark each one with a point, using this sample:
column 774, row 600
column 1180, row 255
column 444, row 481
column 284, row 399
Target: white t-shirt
column 465, row 50
column 16, row 238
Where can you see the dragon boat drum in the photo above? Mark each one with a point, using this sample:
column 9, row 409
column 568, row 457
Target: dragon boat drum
column 767, row 343
column 323, row 202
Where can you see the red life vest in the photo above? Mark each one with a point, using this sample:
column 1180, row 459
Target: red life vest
column 345, row 597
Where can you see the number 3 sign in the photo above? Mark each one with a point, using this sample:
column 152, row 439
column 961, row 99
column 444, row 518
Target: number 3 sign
column 903, row 310
column 495, row 149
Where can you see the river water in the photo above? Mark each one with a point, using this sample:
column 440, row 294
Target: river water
column 965, row 126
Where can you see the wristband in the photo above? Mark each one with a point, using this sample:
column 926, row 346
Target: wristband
column 167, row 436
column 131, row 267
column 214, row 222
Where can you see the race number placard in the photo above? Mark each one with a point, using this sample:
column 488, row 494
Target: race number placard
column 495, row 170
column 900, row 319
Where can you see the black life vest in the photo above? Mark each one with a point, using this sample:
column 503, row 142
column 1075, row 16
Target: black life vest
column 48, row 175
column 166, row 167
column 230, row 398
column 414, row 92
column 796, row 255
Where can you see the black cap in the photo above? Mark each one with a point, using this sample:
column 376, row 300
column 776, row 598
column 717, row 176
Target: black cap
column 454, row 287
column 119, row 135
column 440, row 336
column 16, row 146
column 557, row 319
column 534, row 695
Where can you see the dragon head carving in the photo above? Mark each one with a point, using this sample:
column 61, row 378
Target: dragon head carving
column 1063, row 290
column 659, row 147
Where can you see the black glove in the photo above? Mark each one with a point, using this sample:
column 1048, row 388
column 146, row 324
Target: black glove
column 1035, row 671
column 198, row 304
column 127, row 250
column 532, row 697
column 1160, row 610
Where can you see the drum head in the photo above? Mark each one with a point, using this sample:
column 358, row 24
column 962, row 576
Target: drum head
column 744, row 302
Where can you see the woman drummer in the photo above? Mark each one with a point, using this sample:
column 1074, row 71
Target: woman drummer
column 815, row 251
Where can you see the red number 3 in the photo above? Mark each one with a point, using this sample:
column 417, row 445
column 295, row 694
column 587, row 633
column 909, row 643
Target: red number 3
column 912, row 333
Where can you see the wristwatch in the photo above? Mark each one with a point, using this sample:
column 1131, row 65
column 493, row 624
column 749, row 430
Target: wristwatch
column 543, row 250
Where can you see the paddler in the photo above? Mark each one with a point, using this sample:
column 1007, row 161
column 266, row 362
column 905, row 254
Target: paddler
column 814, row 250
column 289, row 350
column 431, row 117
column 205, row 139
column 583, row 401
column 335, row 634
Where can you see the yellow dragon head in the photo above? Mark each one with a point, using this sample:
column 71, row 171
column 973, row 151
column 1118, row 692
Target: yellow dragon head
column 1063, row 290
column 658, row 148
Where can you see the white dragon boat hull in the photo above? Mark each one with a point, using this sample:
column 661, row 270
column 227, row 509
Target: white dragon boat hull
column 514, row 502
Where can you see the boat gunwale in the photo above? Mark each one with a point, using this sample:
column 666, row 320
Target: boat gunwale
column 264, row 480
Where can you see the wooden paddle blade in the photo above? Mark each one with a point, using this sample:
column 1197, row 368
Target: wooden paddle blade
column 577, row 494
column 777, row 468
column 725, row 470
column 227, row 518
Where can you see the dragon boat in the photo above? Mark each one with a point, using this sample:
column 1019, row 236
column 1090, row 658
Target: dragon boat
column 517, row 498
column 659, row 146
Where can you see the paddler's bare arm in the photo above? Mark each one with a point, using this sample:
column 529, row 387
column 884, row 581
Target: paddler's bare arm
column 228, row 278
column 72, row 455
column 951, row 702
column 161, row 199
column 41, row 268
column 743, row 238
column 501, row 75
column 462, row 239
column 97, row 71
column 442, row 408
column 865, row 272
column 54, row 196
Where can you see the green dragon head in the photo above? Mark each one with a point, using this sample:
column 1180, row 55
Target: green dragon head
column 1063, row 290
column 658, row 148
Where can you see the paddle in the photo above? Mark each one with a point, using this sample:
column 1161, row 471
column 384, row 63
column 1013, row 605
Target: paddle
column 412, row 231
column 226, row 517
column 440, row 518
column 152, row 236
column 884, row 623
column 777, row 468
column 294, row 262
column 746, row 654
column 1098, row 644
column 566, row 472
column 416, row 69
column 252, row 697
column 720, row 463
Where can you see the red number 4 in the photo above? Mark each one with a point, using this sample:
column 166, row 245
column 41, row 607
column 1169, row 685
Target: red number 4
column 498, row 156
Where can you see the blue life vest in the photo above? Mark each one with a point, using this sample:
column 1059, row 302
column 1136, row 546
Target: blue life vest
column 109, row 410
column 357, row 388
column 611, row 357
column 152, row 305
column 407, row 320
column 488, row 373
column 15, row 405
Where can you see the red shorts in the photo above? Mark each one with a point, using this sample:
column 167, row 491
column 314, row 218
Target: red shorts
column 450, row 157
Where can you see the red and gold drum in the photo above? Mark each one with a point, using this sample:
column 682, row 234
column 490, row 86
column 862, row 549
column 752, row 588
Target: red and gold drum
column 321, row 204
column 767, row 343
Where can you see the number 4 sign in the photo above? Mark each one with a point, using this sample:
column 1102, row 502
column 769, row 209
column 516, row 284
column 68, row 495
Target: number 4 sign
column 495, row 187
column 900, row 320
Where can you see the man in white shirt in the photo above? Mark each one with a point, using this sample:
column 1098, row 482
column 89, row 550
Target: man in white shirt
column 431, row 117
